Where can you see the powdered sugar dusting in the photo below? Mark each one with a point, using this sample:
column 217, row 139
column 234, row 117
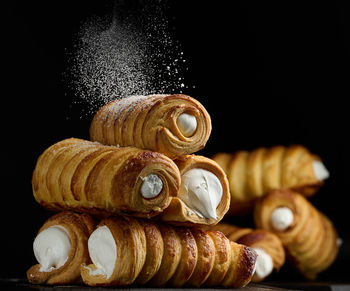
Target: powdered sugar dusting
column 132, row 54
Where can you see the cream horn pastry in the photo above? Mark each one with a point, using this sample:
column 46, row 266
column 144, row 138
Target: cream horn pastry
column 204, row 195
column 271, row 254
column 253, row 174
column 174, row 125
column 85, row 176
column 125, row 250
column 309, row 236
column 60, row 247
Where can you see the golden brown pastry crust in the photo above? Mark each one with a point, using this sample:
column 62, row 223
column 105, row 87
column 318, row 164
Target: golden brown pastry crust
column 150, row 122
column 222, row 259
column 86, row 176
column 255, row 238
column 154, row 251
column 253, row 174
column 79, row 227
column 131, row 255
column 311, row 241
column 171, row 256
column 237, row 275
column 206, row 257
column 189, row 256
column 180, row 213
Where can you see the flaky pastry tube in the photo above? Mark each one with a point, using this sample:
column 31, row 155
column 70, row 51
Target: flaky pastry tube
column 143, row 252
column 271, row 254
column 204, row 196
column 60, row 248
column 85, row 176
column 253, row 174
column 170, row 124
column 309, row 236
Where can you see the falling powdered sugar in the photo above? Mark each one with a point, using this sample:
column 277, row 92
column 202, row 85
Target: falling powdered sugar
column 129, row 55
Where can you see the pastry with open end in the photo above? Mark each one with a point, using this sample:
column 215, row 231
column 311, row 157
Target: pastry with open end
column 85, row 176
column 157, row 254
column 174, row 125
column 309, row 237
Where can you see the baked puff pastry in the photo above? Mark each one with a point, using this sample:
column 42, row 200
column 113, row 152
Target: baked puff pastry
column 204, row 196
column 125, row 251
column 252, row 174
column 85, row 176
column 271, row 254
column 309, row 236
column 174, row 125
column 60, row 247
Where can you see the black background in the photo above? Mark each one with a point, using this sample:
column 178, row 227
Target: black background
column 268, row 72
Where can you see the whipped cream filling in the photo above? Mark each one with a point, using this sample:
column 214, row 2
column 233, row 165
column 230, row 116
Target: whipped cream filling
column 187, row 124
column 320, row 170
column 201, row 191
column 264, row 264
column 51, row 248
column 282, row 218
column 102, row 251
column 151, row 186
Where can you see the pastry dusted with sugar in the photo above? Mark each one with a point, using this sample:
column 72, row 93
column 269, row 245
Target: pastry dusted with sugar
column 60, row 247
column 204, row 195
column 80, row 175
column 253, row 174
column 125, row 250
column 174, row 125
column 271, row 254
column 309, row 236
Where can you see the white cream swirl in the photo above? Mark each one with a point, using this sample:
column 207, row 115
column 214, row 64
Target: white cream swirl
column 320, row 170
column 51, row 248
column 151, row 186
column 264, row 264
column 103, row 251
column 281, row 218
column 202, row 191
column 187, row 124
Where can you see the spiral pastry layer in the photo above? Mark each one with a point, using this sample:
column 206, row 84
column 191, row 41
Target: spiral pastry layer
column 308, row 235
column 156, row 254
column 258, row 239
column 85, row 176
column 170, row 124
column 204, row 195
column 62, row 246
column 253, row 174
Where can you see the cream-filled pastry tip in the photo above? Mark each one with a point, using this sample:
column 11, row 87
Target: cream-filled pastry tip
column 51, row 248
column 282, row 218
column 203, row 192
column 151, row 186
column 320, row 170
column 103, row 251
column 187, row 124
column 264, row 264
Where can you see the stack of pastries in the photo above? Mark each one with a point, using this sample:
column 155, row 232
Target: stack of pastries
column 134, row 204
column 272, row 185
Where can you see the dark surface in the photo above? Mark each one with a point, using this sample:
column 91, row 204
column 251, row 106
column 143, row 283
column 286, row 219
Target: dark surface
column 22, row 285
column 268, row 73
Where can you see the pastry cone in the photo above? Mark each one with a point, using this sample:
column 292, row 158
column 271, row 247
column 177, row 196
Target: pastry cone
column 60, row 248
column 156, row 254
column 89, row 177
column 252, row 174
column 204, row 195
column 309, row 236
column 269, row 247
column 170, row 124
